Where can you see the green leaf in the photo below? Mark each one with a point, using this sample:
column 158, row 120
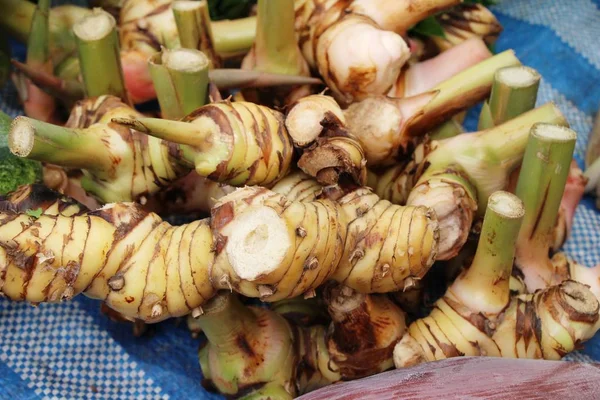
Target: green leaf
column 34, row 213
column 429, row 27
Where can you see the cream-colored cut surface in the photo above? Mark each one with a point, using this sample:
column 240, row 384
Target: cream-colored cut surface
column 184, row 60
column 21, row 137
column 185, row 5
column 95, row 26
column 518, row 76
column 258, row 242
column 553, row 132
column 506, row 204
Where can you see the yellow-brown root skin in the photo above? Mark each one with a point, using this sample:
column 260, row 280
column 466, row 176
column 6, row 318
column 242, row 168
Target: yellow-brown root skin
column 139, row 265
column 386, row 243
column 248, row 145
column 396, row 182
column 547, row 324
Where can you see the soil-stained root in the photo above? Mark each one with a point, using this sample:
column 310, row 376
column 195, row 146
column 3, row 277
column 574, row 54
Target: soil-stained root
column 363, row 332
column 358, row 342
column 331, row 159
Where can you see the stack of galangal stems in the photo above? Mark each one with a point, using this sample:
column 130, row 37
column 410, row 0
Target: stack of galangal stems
column 316, row 148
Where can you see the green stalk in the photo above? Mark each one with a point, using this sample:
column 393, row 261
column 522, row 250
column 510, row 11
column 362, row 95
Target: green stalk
column 180, row 78
column 68, row 68
column 474, row 82
column 514, row 92
column 247, row 348
column 38, row 52
column 447, row 130
column 488, row 157
column 17, row 15
column 16, row 18
column 269, row 392
column 233, row 37
column 541, row 185
column 173, row 131
column 276, row 47
column 484, row 285
column 225, row 318
column 98, row 47
column 195, row 28
column 54, row 144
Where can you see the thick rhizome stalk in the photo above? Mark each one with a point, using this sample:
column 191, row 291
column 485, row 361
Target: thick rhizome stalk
column 248, row 349
column 132, row 260
column 238, row 143
column 541, row 185
column 485, row 284
column 118, row 164
column 456, row 176
column 98, row 48
column 514, row 92
column 194, row 28
column 399, row 121
column 274, row 247
column 276, row 51
column 275, row 47
column 181, row 81
column 477, row 317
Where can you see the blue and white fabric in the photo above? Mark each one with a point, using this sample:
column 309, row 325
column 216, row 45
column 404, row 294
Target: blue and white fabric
column 72, row 351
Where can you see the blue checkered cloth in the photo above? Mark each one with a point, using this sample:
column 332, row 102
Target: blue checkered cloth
column 72, row 351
